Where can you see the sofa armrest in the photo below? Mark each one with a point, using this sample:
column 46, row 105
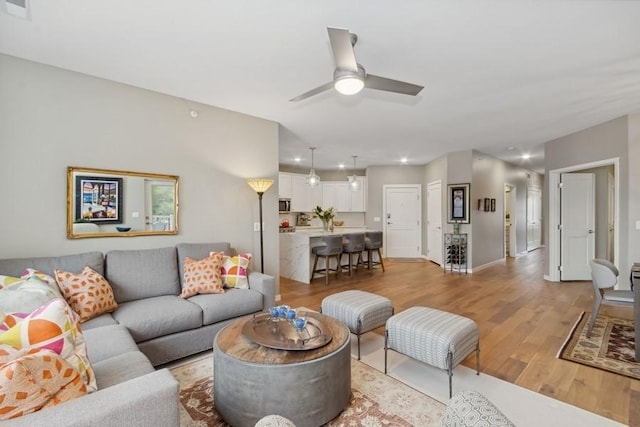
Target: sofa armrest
column 266, row 285
column 149, row 400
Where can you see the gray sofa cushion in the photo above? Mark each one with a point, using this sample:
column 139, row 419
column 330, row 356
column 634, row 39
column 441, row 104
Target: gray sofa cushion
column 154, row 317
column 73, row 263
column 102, row 320
column 145, row 273
column 121, row 368
column 198, row 251
column 233, row 303
column 108, row 341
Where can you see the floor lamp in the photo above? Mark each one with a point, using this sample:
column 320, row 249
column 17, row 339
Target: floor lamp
column 260, row 185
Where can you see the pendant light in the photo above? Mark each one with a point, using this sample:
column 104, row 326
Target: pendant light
column 312, row 179
column 353, row 179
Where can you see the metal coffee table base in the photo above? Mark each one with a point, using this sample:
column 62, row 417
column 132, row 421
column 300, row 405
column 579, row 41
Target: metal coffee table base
column 310, row 393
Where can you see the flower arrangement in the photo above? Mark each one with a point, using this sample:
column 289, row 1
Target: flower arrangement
column 325, row 215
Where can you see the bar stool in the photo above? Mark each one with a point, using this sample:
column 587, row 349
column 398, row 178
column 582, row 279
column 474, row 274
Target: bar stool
column 353, row 243
column 331, row 248
column 373, row 242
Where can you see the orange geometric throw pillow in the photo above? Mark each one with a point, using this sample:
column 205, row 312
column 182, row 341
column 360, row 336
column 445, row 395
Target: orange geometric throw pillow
column 88, row 293
column 203, row 276
column 36, row 378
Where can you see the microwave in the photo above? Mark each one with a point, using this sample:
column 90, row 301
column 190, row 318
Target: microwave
column 284, row 205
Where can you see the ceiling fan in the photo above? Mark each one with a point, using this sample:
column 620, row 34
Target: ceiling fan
column 349, row 77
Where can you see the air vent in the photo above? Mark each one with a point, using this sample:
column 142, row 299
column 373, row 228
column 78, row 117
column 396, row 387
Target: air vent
column 17, row 8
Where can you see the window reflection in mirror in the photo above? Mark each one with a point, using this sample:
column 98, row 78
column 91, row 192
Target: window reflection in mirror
column 109, row 203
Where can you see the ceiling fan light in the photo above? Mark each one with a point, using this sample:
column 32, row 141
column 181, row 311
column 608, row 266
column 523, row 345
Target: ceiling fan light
column 349, row 85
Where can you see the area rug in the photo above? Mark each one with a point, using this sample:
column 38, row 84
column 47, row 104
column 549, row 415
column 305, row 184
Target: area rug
column 376, row 399
column 611, row 346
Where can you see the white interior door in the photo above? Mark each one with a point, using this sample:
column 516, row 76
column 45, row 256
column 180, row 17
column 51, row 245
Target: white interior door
column 403, row 228
column 510, row 220
column 534, row 218
column 577, row 219
column 434, row 222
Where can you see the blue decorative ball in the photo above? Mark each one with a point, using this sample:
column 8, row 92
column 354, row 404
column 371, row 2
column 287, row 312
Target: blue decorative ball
column 301, row 322
column 275, row 312
column 283, row 310
column 291, row 314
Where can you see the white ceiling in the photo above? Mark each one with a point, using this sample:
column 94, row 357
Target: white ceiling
column 497, row 74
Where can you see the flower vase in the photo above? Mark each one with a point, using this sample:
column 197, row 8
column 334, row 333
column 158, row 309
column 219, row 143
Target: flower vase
column 325, row 225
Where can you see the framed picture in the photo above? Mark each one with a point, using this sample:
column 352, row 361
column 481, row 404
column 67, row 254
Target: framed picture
column 487, row 204
column 98, row 199
column 459, row 203
column 493, row 205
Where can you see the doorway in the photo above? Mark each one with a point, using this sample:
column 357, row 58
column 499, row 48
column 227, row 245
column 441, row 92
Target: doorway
column 510, row 242
column 434, row 222
column 534, row 218
column 402, row 206
column 555, row 244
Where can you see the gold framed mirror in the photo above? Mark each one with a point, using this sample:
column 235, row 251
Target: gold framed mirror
column 111, row 203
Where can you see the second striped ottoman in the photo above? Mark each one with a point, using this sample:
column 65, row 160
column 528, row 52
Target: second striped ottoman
column 360, row 311
column 432, row 336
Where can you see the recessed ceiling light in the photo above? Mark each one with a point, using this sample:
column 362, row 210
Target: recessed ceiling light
column 404, row 160
column 341, row 166
column 297, row 159
column 526, row 156
column 511, row 148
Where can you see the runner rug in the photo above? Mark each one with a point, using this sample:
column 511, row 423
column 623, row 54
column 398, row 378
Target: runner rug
column 376, row 399
column 611, row 346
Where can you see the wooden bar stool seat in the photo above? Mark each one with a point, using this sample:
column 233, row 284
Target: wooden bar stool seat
column 353, row 243
column 331, row 247
column 373, row 242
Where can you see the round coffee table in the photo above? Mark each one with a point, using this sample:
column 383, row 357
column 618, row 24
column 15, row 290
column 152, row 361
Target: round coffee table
column 250, row 381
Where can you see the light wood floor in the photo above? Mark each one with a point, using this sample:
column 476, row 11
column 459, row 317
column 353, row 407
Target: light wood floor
column 523, row 321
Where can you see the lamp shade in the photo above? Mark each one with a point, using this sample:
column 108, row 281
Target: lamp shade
column 260, row 185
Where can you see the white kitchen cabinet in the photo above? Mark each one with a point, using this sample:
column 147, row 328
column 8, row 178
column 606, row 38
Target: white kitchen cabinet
column 284, row 186
column 343, row 199
column 303, row 197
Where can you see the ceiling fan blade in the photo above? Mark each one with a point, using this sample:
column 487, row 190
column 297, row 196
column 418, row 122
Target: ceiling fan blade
column 312, row 92
column 342, row 49
column 390, row 85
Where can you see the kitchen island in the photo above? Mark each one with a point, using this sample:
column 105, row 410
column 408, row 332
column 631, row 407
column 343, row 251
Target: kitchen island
column 296, row 259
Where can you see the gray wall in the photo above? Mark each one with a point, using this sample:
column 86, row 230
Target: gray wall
column 605, row 141
column 633, row 192
column 52, row 118
column 488, row 227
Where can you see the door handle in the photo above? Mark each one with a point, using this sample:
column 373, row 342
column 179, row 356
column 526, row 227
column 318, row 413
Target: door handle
column 591, row 232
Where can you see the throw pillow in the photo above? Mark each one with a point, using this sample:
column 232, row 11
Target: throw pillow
column 235, row 271
column 88, row 293
column 32, row 379
column 25, row 294
column 56, row 327
column 203, row 276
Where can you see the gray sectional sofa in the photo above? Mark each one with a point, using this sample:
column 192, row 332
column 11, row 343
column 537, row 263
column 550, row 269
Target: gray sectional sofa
column 151, row 327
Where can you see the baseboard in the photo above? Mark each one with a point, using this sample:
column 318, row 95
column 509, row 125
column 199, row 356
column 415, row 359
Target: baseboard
column 489, row 264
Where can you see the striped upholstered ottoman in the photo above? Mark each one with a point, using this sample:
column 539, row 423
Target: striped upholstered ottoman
column 360, row 311
column 432, row 336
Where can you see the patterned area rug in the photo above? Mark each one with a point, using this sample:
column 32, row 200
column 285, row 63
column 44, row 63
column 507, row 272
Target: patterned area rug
column 611, row 346
column 376, row 399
